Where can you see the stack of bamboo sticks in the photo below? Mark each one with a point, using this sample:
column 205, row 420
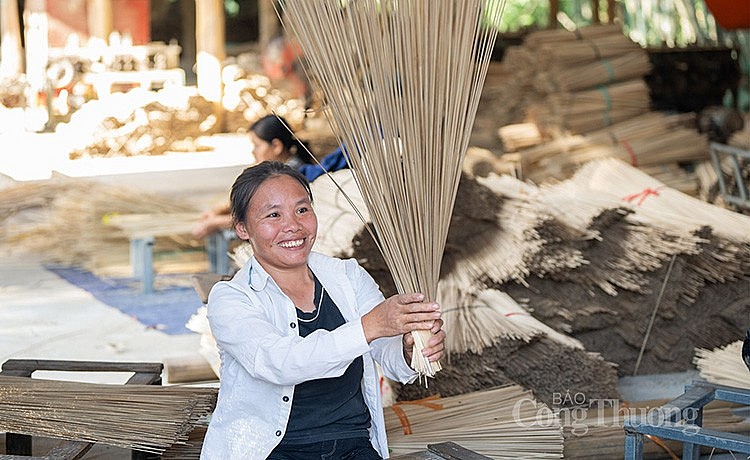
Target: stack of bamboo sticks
column 64, row 220
column 585, row 80
column 588, row 91
column 652, row 140
column 142, row 417
column 590, row 109
column 504, row 422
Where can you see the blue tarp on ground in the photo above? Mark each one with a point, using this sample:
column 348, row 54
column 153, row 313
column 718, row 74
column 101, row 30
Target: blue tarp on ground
column 165, row 309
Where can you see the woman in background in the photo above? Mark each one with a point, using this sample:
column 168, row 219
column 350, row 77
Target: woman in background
column 273, row 140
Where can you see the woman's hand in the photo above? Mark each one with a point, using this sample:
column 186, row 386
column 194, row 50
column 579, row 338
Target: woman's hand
column 211, row 222
column 400, row 314
column 435, row 346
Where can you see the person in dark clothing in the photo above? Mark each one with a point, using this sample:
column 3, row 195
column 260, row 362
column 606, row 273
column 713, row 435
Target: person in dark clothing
column 273, row 140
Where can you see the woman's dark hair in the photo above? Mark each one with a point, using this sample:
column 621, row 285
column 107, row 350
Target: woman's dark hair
column 273, row 127
column 248, row 182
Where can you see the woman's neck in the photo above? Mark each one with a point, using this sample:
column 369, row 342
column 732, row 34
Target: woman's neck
column 298, row 285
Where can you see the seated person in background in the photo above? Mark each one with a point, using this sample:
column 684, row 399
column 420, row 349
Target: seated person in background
column 273, row 140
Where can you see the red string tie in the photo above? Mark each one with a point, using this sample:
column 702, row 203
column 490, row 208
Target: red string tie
column 641, row 196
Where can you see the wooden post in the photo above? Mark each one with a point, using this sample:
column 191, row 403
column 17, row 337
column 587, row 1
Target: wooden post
column 209, row 39
column 11, row 51
column 554, row 8
column 269, row 25
column 99, row 18
column 595, row 12
column 611, row 11
column 37, row 48
column 188, row 58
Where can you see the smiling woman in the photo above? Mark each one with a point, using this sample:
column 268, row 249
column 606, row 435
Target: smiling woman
column 300, row 333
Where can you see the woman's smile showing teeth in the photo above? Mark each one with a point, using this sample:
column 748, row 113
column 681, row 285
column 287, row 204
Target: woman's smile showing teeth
column 292, row 244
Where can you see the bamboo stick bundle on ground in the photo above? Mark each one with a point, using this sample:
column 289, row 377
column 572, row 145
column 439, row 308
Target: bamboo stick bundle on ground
column 589, row 110
column 606, row 71
column 647, row 140
column 403, row 82
column 561, row 36
column 518, row 136
column 575, row 52
column 723, row 365
column 142, row 417
column 504, row 422
column 656, row 204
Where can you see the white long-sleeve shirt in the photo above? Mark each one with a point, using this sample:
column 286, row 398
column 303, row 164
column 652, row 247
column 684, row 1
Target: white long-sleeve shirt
column 263, row 356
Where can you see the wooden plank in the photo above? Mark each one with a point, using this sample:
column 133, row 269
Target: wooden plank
column 25, row 367
column 452, row 451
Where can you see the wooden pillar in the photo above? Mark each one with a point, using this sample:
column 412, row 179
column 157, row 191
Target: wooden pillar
column 210, row 51
column 188, row 58
column 37, row 56
column 554, row 8
column 268, row 20
column 611, row 11
column 99, row 16
column 11, row 51
column 595, row 19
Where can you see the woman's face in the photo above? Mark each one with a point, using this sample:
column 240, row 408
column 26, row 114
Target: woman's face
column 280, row 225
column 264, row 150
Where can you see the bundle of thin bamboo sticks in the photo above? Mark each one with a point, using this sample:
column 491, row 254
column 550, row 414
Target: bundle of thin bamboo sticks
column 564, row 37
column 142, row 417
column 63, row 219
column 572, row 52
column 588, row 110
column 517, row 136
column 723, row 365
column 656, row 204
column 403, row 82
column 646, row 140
column 602, row 72
column 504, row 422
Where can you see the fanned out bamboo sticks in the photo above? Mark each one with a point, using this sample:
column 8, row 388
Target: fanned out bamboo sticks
column 403, row 81
column 500, row 423
column 723, row 365
column 149, row 418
